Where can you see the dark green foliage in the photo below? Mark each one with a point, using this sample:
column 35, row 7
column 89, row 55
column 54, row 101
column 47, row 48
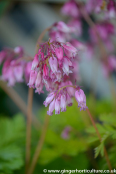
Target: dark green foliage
column 11, row 133
column 78, row 151
column 107, row 129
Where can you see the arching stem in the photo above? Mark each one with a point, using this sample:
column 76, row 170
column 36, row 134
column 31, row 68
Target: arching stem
column 39, row 145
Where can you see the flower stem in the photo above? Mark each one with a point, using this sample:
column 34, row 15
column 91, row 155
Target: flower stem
column 28, row 131
column 19, row 102
column 39, row 146
column 40, row 38
column 29, row 120
column 99, row 136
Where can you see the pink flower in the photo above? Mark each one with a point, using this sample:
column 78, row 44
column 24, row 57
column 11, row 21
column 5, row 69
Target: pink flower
column 53, row 73
column 77, row 44
column 63, row 103
column 93, row 5
column 105, row 30
column 11, row 78
column 112, row 62
column 39, row 89
column 66, row 65
column 49, row 99
column 63, row 27
column 45, row 71
column 59, row 53
column 77, row 26
column 32, row 79
column 70, row 90
column 65, row 132
column 38, row 79
column 13, row 65
column 18, row 73
column 51, row 107
column 70, row 8
column 57, row 36
column 48, row 84
column 81, row 99
column 111, row 8
column 35, row 62
column 69, row 50
column 57, row 106
column 52, row 76
column 53, row 64
column 19, row 50
column 68, row 100
column 58, row 76
column 12, row 71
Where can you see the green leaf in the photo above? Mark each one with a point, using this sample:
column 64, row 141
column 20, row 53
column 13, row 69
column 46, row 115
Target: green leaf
column 90, row 130
column 92, row 139
column 11, row 133
column 99, row 150
column 13, row 157
column 114, row 135
column 109, row 119
column 10, row 128
column 105, row 136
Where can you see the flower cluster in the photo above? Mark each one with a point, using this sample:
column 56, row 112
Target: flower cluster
column 108, row 6
column 103, row 29
column 13, row 65
column 51, row 67
column 61, row 32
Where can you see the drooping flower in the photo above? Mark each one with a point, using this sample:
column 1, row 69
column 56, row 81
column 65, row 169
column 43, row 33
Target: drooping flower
column 59, row 53
column 63, row 103
column 13, row 65
column 38, row 79
column 69, row 50
column 95, row 6
column 57, row 106
column 65, row 132
column 51, row 107
column 76, row 25
column 111, row 7
column 79, row 45
column 19, row 51
column 32, row 79
column 53, row 64
column 70, row 8
column 66, row 66
column 61, row 26
column 81, row 99
column 49, row 99
column 35, row 62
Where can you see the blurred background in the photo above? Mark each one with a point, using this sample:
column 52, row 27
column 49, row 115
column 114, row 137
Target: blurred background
column 21, row 23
